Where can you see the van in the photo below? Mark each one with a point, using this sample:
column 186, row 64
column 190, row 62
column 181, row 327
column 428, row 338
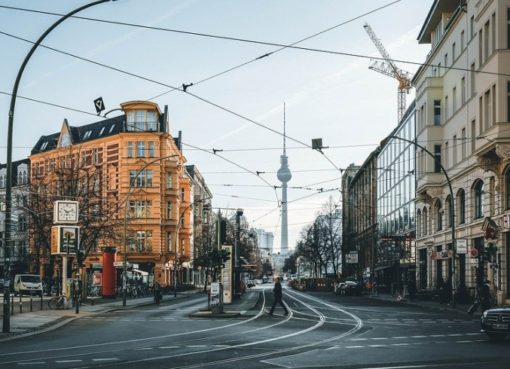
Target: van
column 27, row 284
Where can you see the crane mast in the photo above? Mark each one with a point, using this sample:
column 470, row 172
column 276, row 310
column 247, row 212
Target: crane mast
column 388, row 68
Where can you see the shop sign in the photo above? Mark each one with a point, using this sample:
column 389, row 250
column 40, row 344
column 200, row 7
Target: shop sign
column 96, row 266
column 351, row 257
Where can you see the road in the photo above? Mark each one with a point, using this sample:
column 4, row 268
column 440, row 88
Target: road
column 323, row 331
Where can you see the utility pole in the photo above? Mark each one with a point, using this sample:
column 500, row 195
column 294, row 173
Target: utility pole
column 237, row 269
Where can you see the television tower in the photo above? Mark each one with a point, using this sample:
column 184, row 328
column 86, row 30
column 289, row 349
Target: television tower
column 284, row 176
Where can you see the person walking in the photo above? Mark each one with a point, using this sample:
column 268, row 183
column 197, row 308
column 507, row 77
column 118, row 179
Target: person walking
column 277, row 293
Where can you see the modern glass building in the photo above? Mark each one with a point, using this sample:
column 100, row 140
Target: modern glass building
column 396, row 190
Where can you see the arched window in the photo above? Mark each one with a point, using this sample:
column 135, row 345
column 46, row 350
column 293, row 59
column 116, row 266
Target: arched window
column 461, row 206
column 507, row 188
column 438, row 213
column 478, row 199
column 25, row 179
column 425, row 222
column 418, row 223
column 449, row 214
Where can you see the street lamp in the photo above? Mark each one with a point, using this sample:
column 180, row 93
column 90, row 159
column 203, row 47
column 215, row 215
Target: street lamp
column 452, row 213
column 126, row 205
column 8, row 186
column 237, row 271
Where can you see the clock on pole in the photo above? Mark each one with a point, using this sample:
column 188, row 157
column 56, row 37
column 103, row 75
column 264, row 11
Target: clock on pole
column 66, row 212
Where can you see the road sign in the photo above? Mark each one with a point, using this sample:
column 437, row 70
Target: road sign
column 473, row 252
column 215, row 289
column 99, row 105
column 461, row 246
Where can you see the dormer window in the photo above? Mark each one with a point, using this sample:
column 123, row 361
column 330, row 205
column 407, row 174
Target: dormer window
column 142, row 121
column 44, row 145
column 87, row 135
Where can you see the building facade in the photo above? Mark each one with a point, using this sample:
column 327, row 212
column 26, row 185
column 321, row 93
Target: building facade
column 463, row 115
column 20, row 223
column 128, row 174
column 395, row 256
column 359, row 238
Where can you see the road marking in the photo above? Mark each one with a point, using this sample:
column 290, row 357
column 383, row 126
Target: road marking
column 350, row 347
column 143, row 348
column 106, row 359
column 377, row 345
column 418, row 336
column 454, row 335
column 437, row 335
column 359, row 339
column 196, row 346
column 33, row 363
column 400, row 337
column 399, row 344
column 68, row 361
column 380, row 338
column 168, row 347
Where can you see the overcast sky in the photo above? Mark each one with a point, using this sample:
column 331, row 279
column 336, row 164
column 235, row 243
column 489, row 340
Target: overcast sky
column 328, row 95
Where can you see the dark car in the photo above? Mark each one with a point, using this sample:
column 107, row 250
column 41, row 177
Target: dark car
column 348, row 288
column 496, row 322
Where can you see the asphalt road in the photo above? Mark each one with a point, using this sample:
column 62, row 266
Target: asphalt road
column 323, row 331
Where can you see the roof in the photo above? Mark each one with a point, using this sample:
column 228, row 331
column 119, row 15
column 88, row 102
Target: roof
column 434, row 17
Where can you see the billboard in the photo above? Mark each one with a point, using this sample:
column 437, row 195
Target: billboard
column 226, row 276
column 64, row 239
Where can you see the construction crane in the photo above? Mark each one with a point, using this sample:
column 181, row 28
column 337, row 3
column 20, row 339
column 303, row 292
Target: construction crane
column 388, row 68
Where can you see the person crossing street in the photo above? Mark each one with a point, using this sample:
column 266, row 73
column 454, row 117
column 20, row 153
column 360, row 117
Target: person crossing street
column 278, row 294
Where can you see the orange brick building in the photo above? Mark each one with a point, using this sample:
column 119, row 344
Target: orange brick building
column 127, row 170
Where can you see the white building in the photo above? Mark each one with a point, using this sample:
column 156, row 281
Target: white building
column 463, row 119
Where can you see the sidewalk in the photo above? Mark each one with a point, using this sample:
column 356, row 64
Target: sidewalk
column 30, row 323
column 245, row 305
column 433, row 305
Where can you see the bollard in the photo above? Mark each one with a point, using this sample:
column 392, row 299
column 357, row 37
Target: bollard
column 31, row 309
column 20, row 304
column 41, row 302
column 12, row 304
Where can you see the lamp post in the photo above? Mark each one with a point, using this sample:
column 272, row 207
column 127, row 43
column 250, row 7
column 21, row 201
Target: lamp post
column 452, row 213
column 237, row 271
column 8, row 186
column 126, row 205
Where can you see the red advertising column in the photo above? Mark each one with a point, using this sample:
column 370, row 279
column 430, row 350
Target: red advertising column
column 108, row 272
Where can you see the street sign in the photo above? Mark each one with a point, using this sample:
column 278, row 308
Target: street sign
column 99, row 105
column 461, row 246
column 473, row 252
column 215, row 289
column 351, row 257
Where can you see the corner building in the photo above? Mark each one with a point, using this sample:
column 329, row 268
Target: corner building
column 136, row 168
column 463, row 118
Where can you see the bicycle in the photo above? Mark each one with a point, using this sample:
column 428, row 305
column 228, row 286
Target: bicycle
column 58, row 303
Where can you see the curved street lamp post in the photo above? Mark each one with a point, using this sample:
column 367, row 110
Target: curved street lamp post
column 452, row 212
column 8, row 187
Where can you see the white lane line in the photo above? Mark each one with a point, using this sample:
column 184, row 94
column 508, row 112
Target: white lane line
column 168, row 347
column 33, row 363
column 196, row 346
column 143, row 349
column 399, row 344
column 473, row 334
column 352, row 347
column 377, row 345
column 105, row 359
column 380, row 338
column 68, row 361
column 454, row 335
column 418, row 336
column 359, row 339
column 400, row 338
column 437, row 335
column 464, row 341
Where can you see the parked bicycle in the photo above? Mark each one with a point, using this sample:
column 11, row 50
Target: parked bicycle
column 58, row 302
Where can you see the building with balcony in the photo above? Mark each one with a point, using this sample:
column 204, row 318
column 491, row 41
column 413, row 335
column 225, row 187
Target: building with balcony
column 463, row 118
column 128, row 174
column 20, row 217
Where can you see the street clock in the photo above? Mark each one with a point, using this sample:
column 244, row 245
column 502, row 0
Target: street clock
column 66, row 212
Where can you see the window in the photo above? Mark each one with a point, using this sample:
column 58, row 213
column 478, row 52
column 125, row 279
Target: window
column 487, row 109
column 437, row 158
column 446, row 113
column 168, row 181
column 472, row 72
column 453, row 52
column 446, row 61
column 462, row 41
column 508, row 101
column 169, row 210
column 182, row 194
column 449, row 210
column 472, row 26
column 142, row 120
column 130, row 149
column 169, row 242
column 144, row 178
column 22, row 224
column 140, row 241
column 461, row 205
column 508, row 28
column 454, row 100
column 425, row 221
column 446, row 155
column 418, row 223
column 152, row 149
column 140, row 149
column 478, row 199
column 463, row 144
column 437, row 112
column 454, row 150
column 493, row 33
column 439, row 216
column 463, row 91
column 473, row 136
column 140, row 208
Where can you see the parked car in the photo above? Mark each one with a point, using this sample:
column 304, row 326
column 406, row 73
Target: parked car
column 250, row 283
column 348, row 288
column 27, row 284
column 496, row 322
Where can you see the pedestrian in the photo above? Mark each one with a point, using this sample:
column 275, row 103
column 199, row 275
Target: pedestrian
column 277, row 293
column 157, row 293
column 485, row 296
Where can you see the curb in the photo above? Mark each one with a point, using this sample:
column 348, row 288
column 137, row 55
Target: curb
column 416, row 304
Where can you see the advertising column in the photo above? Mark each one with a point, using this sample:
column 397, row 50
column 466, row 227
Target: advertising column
column 226, row 277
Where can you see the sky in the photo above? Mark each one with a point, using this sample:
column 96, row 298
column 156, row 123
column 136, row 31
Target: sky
column 331, row 95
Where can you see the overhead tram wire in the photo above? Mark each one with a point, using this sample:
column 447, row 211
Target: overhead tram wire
column 238, row 39
column 209, row 102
